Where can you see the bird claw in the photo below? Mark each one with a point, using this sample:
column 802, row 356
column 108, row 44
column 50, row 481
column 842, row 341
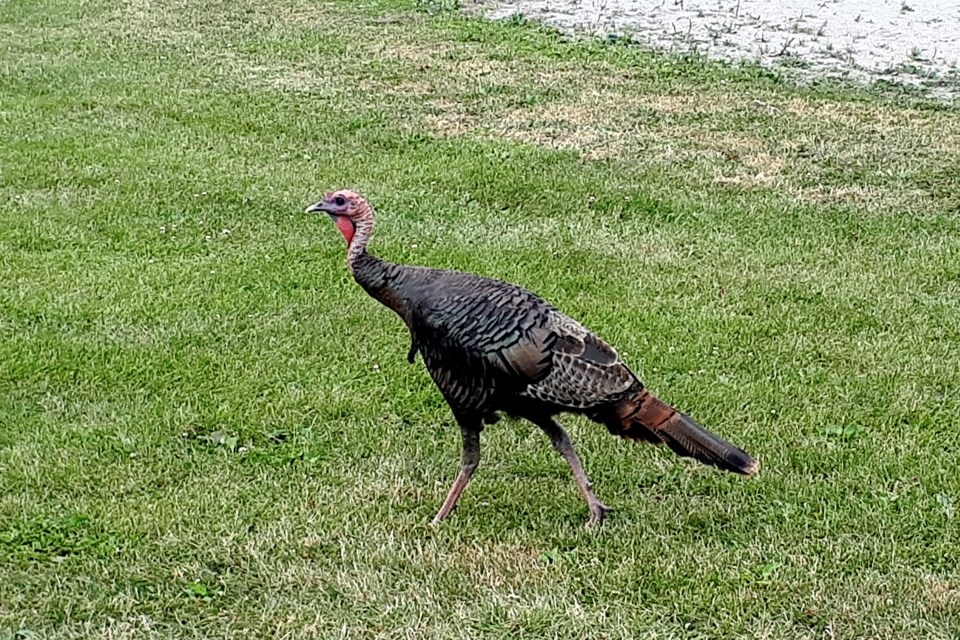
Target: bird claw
column 438, row 519
column 598, row 511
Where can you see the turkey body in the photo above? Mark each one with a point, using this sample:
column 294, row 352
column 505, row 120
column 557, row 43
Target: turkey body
column 491, row 347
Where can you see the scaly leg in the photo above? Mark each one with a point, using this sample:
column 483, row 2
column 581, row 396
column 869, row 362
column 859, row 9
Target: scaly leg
column 469, row 462
column 561, row 442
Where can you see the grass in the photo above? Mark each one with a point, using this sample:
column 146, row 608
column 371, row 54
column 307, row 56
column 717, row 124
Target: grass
column 207, row 430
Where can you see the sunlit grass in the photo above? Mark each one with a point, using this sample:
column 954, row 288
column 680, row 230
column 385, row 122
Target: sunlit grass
column 208, row 430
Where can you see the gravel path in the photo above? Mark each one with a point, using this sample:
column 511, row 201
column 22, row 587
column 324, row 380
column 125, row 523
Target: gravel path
column 913, row 42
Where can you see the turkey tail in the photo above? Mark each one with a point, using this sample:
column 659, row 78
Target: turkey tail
column 646, row 417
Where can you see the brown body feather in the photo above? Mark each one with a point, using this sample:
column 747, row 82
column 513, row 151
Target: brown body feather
column 646, row 417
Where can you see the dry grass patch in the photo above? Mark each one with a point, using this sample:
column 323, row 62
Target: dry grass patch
column 942, row 596
column 757, row 171
column 865, row 195
column 801, row 146
column 596, row 122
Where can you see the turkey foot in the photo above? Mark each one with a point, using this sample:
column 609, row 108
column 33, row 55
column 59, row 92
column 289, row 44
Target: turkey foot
column 470, row 460
column 561, row 442
column 598, row 511
column 458, row 486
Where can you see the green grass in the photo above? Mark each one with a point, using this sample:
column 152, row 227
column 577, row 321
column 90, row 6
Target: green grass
column 208, row 430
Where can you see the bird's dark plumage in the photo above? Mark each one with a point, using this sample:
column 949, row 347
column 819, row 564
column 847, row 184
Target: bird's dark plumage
column 492, row 346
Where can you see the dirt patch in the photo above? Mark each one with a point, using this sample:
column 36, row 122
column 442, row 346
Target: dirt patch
column 903, row 41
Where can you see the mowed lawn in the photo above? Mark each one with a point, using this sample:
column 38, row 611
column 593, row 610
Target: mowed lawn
column 207, row 430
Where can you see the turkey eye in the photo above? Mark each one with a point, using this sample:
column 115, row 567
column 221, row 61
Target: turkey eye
column 339, row 201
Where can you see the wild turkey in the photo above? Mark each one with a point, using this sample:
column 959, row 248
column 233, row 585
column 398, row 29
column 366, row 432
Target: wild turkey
column 491, row 347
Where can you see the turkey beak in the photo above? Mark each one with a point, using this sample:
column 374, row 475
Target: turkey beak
column 316, row 207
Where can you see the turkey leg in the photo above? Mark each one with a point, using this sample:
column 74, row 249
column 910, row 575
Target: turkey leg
column 469, row 462
column 561, row 442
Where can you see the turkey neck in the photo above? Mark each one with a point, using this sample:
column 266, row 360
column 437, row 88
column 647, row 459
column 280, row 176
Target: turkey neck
column 382, row 280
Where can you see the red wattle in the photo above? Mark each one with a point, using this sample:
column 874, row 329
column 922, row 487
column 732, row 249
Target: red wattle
column 346, row 227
